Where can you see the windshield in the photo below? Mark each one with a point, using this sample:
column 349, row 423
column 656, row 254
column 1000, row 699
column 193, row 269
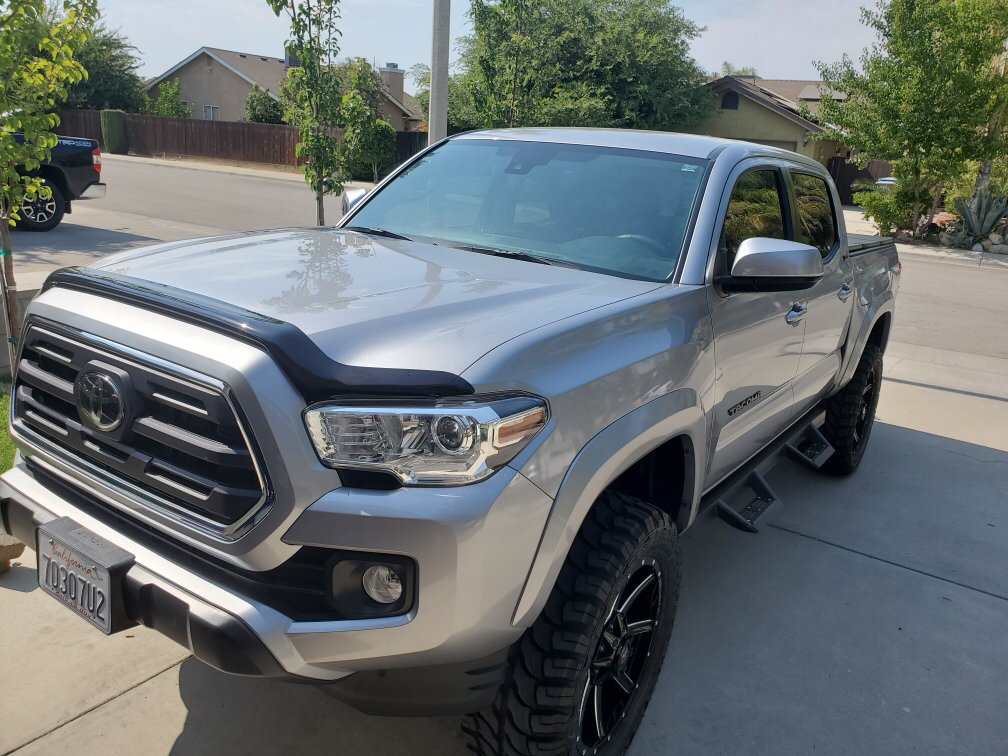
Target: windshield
column 611, row 210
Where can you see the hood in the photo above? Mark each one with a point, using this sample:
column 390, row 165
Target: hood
column 378, row 302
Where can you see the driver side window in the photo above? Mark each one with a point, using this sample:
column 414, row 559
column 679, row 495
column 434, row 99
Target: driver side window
column 755, row 208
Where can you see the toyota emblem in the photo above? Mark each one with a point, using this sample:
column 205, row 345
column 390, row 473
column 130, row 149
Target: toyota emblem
column 99, row 400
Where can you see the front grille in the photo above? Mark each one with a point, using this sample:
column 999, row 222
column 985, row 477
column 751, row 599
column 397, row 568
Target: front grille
column 180, row 440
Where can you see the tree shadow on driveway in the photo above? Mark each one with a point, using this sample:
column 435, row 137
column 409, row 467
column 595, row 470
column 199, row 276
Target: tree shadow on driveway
column 240, row 715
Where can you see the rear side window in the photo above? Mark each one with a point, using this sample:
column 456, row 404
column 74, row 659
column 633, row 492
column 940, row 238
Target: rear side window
column 816, row 218
column 755, row 209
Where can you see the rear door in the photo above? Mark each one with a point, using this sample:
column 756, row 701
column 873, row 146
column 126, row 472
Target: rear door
column 756, row 350
column 816, row 223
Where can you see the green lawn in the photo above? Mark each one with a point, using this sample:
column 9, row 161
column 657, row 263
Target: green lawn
column 6, row 445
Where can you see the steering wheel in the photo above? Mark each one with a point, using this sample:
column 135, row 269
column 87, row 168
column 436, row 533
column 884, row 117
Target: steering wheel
column 646, row 241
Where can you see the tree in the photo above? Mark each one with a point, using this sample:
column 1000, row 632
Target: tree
column 112, row 81
column 36, row 66
column 168, row 103
column 311, row 92
column 618, row 63
column 727, row 69
column 371, row 145
column 261, row 107
column 924, row 94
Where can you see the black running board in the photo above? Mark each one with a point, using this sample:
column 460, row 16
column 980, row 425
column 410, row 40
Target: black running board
column 744, row 499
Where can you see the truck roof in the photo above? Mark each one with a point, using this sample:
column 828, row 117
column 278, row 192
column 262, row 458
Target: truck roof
column 689, row 145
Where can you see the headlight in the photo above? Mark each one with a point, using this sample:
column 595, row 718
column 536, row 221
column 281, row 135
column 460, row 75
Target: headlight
column 445, row 444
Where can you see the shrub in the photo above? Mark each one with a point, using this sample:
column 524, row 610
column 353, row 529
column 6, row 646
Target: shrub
column 891, row 208
column 113, row 127
column 260, row 107
column 376, row 147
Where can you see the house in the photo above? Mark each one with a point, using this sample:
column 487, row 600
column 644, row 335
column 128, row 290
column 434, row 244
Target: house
column 768, row 111
column 215, row 83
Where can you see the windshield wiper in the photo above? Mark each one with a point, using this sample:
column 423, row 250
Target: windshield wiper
column 376, row 232
column 515, row 254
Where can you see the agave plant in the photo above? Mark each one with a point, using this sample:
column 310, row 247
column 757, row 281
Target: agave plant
column 976, row 226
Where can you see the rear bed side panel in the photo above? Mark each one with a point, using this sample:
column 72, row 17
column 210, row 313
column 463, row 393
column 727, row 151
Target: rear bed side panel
column 876, row 276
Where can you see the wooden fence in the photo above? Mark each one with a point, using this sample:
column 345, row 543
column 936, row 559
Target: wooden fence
column 845, row 173
column 221, row 140
column 268, row 143
column 81, row 123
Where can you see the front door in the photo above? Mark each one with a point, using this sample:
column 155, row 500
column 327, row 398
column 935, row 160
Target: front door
column 829, row 301
column 756, row 350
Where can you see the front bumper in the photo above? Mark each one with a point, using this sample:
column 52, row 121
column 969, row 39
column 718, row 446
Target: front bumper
column 445, row 656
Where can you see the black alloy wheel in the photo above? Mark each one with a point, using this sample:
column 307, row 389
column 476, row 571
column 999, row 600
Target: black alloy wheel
column 850, row 414
column 620, row 656
column 43, row 214
column 580, row 678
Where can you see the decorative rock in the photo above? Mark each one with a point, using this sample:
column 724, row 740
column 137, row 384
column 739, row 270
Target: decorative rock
column 985, row 244
column 976, row 248
column 998, row 249
column 10, row 548
column 996, row 239
column 944, row 239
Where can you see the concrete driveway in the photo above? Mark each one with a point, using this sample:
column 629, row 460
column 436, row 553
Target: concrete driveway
column 868, row 618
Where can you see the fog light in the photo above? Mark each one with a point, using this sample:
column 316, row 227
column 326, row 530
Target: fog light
column 382, row 584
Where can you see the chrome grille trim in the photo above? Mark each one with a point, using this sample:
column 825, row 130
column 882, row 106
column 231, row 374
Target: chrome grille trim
column 113, row 488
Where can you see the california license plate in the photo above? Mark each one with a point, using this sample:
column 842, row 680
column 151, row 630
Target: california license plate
column 84, row 572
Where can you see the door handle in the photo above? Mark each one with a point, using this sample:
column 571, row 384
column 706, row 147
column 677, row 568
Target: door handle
column 796, row 315
column 845, row 291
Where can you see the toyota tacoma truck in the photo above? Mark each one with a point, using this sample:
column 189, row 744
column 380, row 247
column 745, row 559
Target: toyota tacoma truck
column 437, row 459
column 72, row 172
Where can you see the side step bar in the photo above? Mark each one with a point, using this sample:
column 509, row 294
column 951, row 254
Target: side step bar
column 744, row 499
column 748, row 503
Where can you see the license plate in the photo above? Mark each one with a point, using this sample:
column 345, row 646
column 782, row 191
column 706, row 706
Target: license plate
column 84, row 572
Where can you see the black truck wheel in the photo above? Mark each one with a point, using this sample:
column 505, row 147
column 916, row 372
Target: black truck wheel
column 43, row 214
column 581, row 676
column 850, row 414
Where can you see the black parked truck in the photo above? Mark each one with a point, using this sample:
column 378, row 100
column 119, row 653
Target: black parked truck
column 72, row 172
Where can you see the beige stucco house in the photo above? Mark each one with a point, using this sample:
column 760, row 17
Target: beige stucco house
column 215, row 83
column 767, row 111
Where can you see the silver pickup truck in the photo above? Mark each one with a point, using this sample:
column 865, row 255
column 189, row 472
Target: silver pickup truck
column 437, row 459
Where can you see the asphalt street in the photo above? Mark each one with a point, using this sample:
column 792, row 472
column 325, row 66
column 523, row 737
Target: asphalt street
column 868, row 618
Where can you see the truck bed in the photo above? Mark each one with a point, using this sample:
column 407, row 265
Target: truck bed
column 860, row 243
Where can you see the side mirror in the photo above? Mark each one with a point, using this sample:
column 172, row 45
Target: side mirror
column 351, row 197
column 772, row 265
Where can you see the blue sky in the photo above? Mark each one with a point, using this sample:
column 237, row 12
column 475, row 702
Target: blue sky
column 781, row 39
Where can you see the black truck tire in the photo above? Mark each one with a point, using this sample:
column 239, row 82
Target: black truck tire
column 43, row 214
column 590, row 642
column 850, row 414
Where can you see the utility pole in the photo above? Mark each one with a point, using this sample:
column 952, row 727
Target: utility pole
column 437, row 126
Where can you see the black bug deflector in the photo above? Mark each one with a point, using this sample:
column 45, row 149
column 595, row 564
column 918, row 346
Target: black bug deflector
column 315, row 375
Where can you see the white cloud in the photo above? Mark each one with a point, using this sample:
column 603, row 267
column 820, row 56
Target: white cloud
column 781, row 39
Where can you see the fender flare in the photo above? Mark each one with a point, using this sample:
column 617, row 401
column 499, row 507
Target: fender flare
column 599, row 463
column 884, row 303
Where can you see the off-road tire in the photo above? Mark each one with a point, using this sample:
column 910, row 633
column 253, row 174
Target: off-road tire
column 537, row 710
column 54, row 211
column 850, row 414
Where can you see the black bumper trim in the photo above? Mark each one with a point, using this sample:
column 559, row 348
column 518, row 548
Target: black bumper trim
column 220, row 639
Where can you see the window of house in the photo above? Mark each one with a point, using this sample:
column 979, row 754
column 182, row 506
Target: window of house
column 211, row 113
column 755, row 209
column 816, row 218
column 729, row 101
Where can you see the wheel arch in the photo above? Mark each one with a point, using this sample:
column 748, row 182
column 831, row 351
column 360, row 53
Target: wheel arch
column 629, row 453
column 876, row 324
column 57, row 178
